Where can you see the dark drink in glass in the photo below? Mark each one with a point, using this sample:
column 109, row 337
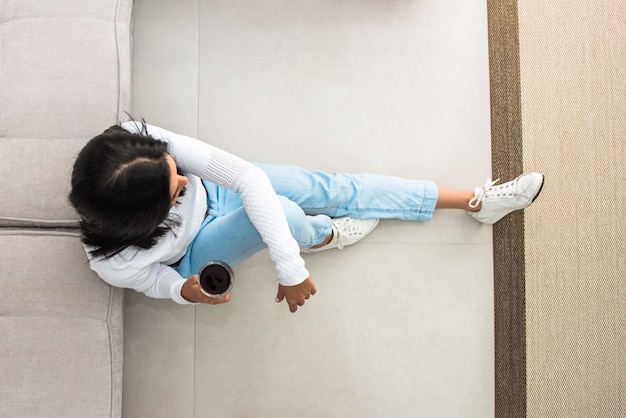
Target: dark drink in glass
column 216, row 279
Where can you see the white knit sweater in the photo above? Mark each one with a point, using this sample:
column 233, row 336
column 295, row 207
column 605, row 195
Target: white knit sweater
column 147, row 271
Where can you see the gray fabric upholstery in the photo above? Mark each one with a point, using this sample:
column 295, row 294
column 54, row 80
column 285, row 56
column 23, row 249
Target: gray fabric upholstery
column 61, row 347
column 64, row 77
column 39, row 196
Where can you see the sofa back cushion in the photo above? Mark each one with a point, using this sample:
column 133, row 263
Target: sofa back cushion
column 64, row 77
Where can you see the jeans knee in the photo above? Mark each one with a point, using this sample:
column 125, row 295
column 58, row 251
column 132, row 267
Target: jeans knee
column 305, row 229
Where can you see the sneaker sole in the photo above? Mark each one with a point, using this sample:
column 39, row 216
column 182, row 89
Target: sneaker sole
column 543, row 180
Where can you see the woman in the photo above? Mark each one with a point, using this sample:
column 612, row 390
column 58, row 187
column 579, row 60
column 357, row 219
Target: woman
column 155, row 206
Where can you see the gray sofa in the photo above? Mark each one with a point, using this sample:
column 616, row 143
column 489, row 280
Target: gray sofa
column 64, row 77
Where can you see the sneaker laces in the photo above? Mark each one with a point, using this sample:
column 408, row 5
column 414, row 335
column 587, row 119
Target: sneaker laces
column 488, row 189
column 346, row 229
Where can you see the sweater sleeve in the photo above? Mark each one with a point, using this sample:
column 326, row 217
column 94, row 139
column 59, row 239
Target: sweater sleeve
column 155, row 280
column 257, row 194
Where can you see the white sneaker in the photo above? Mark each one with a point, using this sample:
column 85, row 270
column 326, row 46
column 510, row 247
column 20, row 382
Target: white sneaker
column 346, row 231
column 499, row 201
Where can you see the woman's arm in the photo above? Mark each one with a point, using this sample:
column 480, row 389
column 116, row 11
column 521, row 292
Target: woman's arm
column 154, row 279
column 257, row 194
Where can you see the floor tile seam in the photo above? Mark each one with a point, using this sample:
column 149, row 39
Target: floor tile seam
column 198, row 101
column 195, row 357
column 433, row 243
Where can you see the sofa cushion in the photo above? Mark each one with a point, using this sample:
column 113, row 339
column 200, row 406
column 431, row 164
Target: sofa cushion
column 61, row 330
column 64, row 77
column 36, row 175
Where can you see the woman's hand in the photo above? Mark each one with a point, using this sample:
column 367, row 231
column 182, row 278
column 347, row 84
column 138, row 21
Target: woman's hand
column 191, row 292
column 296, row 295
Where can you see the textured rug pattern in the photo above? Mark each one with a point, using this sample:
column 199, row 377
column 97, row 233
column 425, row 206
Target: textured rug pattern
column 508, row 235
column 573, row 91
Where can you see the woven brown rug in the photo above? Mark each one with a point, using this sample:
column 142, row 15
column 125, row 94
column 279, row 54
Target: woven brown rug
column 560, row 333
column 508, row 235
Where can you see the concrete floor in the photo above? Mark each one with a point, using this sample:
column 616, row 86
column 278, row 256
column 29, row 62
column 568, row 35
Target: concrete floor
column 402, row 325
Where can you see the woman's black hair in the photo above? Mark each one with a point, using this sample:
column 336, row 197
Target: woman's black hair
column 121, row 190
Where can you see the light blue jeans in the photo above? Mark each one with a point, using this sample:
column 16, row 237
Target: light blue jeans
column 310, row 199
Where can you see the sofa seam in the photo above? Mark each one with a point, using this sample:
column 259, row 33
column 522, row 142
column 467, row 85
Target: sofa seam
column 122, row 76
column 35, row 232
column 119, row 61
column 112, row 405
column 111, row 355
column 57, row 221
column 6, row 22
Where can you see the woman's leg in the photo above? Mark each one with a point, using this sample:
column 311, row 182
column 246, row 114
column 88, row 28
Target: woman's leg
column 360, row 196
column 455, row 199
column 228, row 235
